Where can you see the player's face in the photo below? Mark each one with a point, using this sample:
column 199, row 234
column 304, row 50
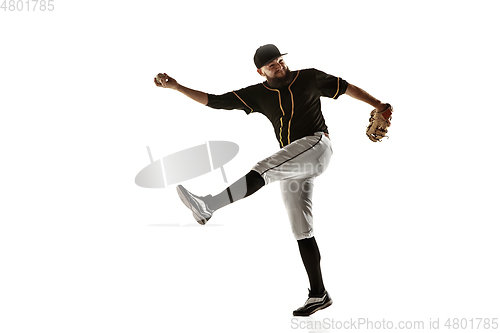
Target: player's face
column 275, row 69
column 276, row 72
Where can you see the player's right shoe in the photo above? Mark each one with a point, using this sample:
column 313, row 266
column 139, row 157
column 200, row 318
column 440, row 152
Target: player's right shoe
column 313, row 304
column 198, row 205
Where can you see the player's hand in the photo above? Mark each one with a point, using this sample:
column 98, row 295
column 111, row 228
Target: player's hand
column 381, row 107
column 165, row 81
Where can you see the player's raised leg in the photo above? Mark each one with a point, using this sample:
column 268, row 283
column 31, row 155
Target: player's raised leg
column 303, row 158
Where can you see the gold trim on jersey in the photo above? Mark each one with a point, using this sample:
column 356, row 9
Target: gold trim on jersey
column 251, row 110
column 338, row 87
column 293, row 105
column 282, row 111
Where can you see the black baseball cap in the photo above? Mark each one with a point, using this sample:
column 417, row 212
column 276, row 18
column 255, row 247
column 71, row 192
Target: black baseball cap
column 265, row 54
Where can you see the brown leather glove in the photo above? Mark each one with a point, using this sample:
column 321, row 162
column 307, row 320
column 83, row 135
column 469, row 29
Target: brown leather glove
column 379, row 122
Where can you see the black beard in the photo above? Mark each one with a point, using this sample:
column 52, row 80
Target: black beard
column 280, row 82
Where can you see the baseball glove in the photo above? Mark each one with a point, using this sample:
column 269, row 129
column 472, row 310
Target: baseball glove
column 379, row 122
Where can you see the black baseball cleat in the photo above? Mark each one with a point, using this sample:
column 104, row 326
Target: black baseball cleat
column 198, row 205
column 313, row 304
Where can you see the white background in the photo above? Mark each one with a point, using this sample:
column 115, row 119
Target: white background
column 407, row 228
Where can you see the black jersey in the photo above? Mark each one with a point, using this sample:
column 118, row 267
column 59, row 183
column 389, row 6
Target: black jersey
column 294, row 110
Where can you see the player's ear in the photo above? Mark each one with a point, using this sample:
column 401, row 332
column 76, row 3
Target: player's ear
column 260, row 72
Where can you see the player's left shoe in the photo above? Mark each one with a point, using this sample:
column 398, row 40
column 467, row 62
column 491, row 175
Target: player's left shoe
column 313, row 304
column 198, row 205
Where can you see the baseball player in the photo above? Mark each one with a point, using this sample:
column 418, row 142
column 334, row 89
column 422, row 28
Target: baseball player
column 291, row 101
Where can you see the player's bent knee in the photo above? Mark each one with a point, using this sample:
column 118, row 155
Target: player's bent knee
column 303, row 235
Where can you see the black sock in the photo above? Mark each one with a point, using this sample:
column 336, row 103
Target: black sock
column 311, row 257
column 242, row 188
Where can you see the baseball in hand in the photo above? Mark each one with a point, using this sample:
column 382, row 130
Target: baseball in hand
column 159, row 76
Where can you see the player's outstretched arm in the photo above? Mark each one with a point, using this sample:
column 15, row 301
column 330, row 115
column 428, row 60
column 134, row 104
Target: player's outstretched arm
column 169, row 82
column 363, row 96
